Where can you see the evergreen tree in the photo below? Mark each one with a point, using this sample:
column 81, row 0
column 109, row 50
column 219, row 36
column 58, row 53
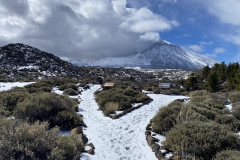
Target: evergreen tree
column 212, row 82
column 191, row 83
column 205, row 72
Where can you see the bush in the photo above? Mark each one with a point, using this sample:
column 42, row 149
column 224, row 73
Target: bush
column 228, row 155
column 68, row 147
column 166, row 117
column 123, row 97
column 199, row 93
column 187, row 113
column 234, row 96
column 9, row 100
column 49, row 107
column 231, row 122
column 236, row 110
column 202, row 140
column 68, row 86
column 70, row 92
column 24, row 141
column 40, row 86
column 20, row 140
column 171, row 92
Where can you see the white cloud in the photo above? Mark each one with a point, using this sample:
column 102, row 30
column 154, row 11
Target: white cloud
column 80, row 28
column 150, row 36
column 206, row 43
column 228, row 12
column 196, row 48
column 219, row 50
column 171, row 1
column 144, row 20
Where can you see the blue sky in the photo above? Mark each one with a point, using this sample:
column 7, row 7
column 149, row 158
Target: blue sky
column 79, row 29
column 199, row 29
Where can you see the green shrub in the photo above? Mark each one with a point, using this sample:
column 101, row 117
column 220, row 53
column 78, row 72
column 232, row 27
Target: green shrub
column 236, row 110
column 24, row 141
column 68, row 147
column 228, row 155
column 198, row 99
column 20, row 140
column 198, row 93
column 187, row 113
column 171, row 92
column 166, row 117
column 123, row 97
column 47, row 107
column 70, row 92
column 10, row 99
column 234, row 96
column 40, row 86
column 68, row 86
column 202, row 140
column 230, row 121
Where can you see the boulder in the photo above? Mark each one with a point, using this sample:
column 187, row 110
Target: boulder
column 77, row 130
column 151, row 140
column 147, row 133
column 90, row 151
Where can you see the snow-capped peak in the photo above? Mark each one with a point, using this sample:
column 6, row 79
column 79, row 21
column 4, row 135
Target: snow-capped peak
column 160, row 55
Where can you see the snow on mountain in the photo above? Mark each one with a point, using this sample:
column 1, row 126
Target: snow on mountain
column 161, row 55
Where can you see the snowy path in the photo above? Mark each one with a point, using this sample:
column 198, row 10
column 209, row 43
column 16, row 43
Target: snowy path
column 123, row 138
column 4, row 86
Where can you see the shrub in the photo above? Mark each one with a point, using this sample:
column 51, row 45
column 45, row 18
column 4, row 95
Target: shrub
column 236, row 110
column 171, row 92
column 70, row 92
column 234, row 96
column 202, row 140
column 228, row 155
column 187, row 113
column 68, row 86
column 68, row 147
column 20, row 140
column 198, row 99
column 199, row 93
column 40, row 86
column 9, row 99
column 24, row 141
column 48, row 107
column 166, row 117
column 231, row 122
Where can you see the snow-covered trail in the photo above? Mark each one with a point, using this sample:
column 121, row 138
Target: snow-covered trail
column 123, row 138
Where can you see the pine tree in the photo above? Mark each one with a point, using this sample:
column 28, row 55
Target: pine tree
column 191, row 83
column 212, row 82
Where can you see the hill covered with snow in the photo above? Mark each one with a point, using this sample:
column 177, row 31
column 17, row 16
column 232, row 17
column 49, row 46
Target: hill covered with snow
column 160, row 55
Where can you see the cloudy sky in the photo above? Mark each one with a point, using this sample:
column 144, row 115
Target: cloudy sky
column 79, row 29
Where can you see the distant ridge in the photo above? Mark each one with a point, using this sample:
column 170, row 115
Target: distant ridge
column 160, row 55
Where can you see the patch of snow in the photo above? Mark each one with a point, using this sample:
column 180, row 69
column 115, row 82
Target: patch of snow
column 87, row 148
column 28, row 67
column 229, row 106
column 4, row 86
column 57, row 91
column 136, row 104
column 123, row 138
column 168, row 155
column 160, row 138
column 65, row 133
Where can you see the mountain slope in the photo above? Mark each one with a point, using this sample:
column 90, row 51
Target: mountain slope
column 161, row 55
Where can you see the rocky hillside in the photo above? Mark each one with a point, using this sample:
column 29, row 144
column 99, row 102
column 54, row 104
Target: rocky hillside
column 23, row 62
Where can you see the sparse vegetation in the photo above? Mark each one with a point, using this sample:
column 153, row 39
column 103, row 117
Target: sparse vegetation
column 20, row 140
column 57, row 110
column 119, row 99
column 201, row 140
